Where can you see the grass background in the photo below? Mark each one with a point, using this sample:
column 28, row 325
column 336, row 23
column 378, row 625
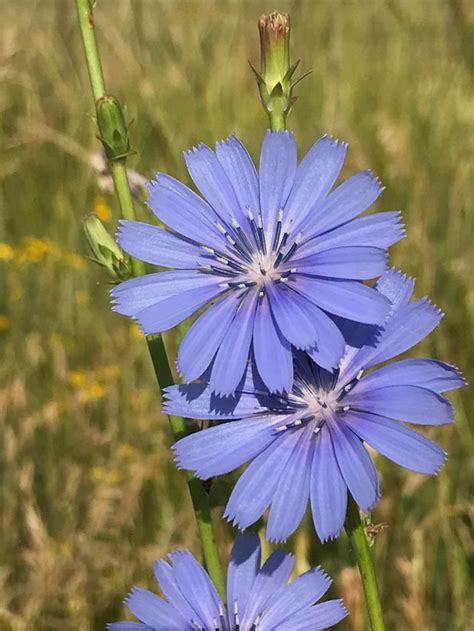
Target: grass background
column 88, row 494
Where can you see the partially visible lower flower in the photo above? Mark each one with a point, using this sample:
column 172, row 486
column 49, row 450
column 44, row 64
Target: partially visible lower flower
column 308, row 444
column 259, row 598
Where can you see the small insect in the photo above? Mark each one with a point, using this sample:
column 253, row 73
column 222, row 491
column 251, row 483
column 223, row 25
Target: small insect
column 375, row 529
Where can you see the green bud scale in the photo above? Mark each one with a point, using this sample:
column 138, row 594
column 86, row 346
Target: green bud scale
column 105, row 250
column 112, row 127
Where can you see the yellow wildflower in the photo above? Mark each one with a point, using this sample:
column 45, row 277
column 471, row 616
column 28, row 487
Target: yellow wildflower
column 35, row 250
column 77, row 378
column 6, row 252
column 91, row 392
column 102, row 209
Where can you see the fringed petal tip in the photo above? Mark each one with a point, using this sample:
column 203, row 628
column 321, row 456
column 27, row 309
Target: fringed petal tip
column 143, row 330
column 168, row 398
column 179, row 552
column 463, row 381
column 119, row 232
column 179, row 464
column 116, row 309
column 441, row 465
column 336, row 142
column 234, row 521
column 400, row 225
column 181, row 368
column 398, row 274
column 426, row 301
column 403, row 278
column 117, row 306
column 166, row 409
column 168, row 390
column 193, row 149
column 283, row 132
column 324, row 575
column 232, row 137
column 151, row 184
column 400, row 221
column 330, row 537
column 121, row 223
column 276, row 540
column 133, row 592
column 125, row 222
column 343, row 607
column 181, row 467
column 375, row 178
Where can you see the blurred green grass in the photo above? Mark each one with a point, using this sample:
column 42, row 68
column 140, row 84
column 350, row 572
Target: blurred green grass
column 88, row 493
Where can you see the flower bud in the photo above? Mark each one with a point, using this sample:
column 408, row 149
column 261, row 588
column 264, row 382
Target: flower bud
column 112, row 127
column 105, row 250
column 274, row 48
column 275, row 76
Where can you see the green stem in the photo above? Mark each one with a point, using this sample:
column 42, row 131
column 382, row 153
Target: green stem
column 155, row 343
column 360, row 546
column 277, row 121
column 124, row 196
column 86, row 23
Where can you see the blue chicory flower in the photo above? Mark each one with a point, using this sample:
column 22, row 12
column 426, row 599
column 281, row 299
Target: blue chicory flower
column 259, row 598
column 277, row 253
column 308, row 444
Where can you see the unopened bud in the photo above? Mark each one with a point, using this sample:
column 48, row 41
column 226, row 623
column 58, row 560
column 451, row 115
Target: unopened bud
column 105, row 250
column 112, row 127
column 275, row 79
column 274, row 47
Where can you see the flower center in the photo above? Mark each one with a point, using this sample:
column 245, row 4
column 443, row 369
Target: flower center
column 315, row 398
column 322, row 403
column 256, row 257
column 262, row 270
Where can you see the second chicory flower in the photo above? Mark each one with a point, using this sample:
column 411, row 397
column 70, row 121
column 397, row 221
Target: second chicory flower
column 308, row 444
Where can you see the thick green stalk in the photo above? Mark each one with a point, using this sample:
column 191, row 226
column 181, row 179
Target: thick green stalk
column 360, row 547
column 122, row 190
column 277, row 121
column 155, row 343
column 86, row 23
